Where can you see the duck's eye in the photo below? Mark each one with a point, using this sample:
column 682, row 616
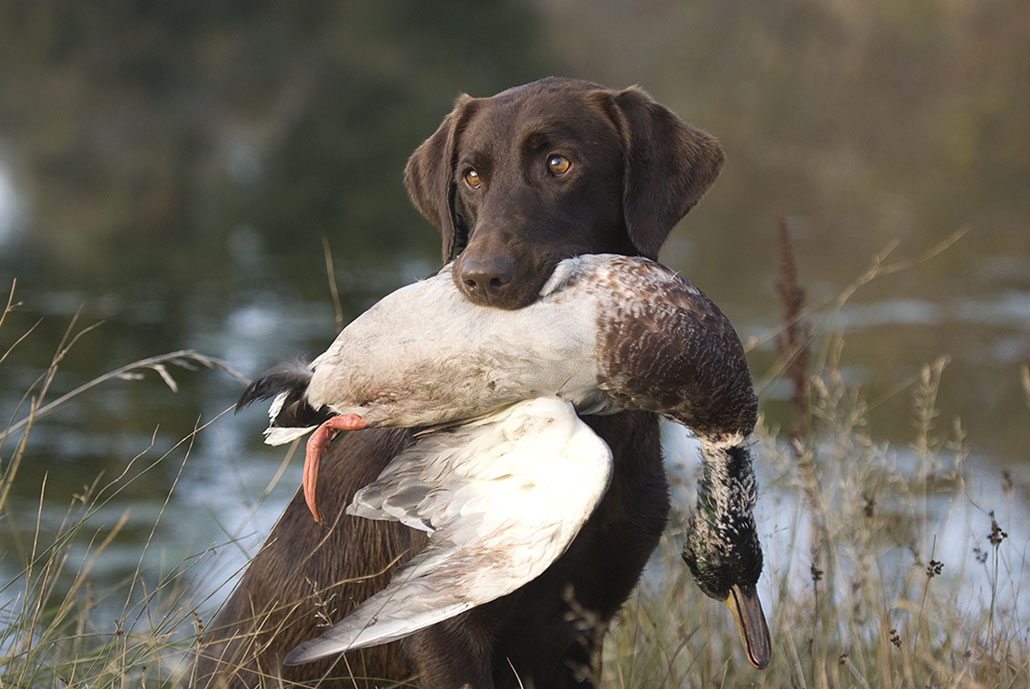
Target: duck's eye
column 472, row 178
column 558, row 165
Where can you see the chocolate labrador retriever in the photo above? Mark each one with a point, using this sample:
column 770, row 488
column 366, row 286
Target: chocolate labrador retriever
column 515, row 183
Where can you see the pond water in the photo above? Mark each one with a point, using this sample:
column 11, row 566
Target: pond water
column 187, row 214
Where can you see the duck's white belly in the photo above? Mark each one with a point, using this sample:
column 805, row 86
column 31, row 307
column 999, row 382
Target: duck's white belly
column 460, row 361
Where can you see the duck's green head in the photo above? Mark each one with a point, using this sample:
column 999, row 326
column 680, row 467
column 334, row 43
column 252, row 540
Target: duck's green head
column 722, row 548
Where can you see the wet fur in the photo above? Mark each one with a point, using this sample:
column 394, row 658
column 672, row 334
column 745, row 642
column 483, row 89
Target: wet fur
column 647, row 168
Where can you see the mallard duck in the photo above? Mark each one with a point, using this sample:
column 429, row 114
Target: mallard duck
column 608, row 333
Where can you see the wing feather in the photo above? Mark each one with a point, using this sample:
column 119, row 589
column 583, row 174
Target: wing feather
column 503, row 498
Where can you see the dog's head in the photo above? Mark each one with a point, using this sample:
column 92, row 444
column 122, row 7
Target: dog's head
column 555, row 168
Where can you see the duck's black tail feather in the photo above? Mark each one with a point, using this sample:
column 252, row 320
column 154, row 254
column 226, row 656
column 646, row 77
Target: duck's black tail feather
column 291, row 378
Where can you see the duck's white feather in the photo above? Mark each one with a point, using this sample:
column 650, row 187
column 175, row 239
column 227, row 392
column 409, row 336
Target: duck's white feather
column 501, row 498
column 280, row 435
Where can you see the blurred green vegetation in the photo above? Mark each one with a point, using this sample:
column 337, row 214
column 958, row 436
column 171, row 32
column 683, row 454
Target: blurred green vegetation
column 151, row 130
column 143, row 133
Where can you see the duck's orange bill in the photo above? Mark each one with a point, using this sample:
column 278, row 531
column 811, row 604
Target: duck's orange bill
column 317, row 443
column 747, row 611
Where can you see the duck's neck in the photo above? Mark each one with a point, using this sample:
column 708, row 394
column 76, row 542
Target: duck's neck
column 722, row 536
column 727, row 489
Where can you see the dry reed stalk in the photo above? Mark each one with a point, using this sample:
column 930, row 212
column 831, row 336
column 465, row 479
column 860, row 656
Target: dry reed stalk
column 793, row 340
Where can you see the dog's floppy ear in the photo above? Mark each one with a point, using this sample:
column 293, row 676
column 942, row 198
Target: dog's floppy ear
column 669, row 166
column 429, row 176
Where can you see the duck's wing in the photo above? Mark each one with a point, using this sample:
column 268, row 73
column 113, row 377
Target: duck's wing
column 501, row 498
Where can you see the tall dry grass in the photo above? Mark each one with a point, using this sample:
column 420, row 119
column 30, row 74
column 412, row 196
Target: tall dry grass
column 49, row 632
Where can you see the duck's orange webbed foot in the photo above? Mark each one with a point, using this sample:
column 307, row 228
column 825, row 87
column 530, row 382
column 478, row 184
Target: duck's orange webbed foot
column 319, row 440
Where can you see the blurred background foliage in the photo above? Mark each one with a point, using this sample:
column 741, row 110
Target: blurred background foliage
column 172, row 168
column 153, row 130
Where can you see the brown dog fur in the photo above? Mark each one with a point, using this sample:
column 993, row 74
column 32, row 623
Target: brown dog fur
column 635, row 170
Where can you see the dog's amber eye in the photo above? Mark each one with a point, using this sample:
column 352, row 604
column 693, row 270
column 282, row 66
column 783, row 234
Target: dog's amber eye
column 558, row 165
column 472, row 179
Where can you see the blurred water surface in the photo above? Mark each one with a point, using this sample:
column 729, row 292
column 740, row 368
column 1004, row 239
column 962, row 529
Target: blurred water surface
column 170, row 173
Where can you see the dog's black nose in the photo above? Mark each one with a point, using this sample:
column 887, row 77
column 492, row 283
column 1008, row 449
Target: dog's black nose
column 485, row 279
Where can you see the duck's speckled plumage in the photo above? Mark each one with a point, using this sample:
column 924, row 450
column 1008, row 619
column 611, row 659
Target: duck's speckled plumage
column 669, row 349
